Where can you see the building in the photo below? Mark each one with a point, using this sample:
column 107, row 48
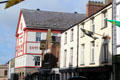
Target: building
column 116, row 40
column 88, row 55
column 11, row 69
column 32, row 27
column 4, row 72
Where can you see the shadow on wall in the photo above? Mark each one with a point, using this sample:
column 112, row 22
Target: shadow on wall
column 105, row 55
column 50, row 61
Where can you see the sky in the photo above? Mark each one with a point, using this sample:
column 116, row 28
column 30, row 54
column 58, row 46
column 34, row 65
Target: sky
column 9, row 19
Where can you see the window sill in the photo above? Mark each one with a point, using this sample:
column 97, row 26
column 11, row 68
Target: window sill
column 92, row 63
column 82, row 36
column 65, row 43
column 104, row 62
column 82, row 64
column 103, row 28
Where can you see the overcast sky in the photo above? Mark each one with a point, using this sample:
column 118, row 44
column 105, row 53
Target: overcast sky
column 9, row 19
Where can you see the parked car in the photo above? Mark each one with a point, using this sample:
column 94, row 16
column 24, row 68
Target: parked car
column 78, row 78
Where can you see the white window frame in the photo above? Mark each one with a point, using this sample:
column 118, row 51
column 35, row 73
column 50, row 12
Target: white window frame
column 105, row 51
column 92, row 25
column 92, row 58
column 104, row 22
column 82, row 33
column 71, row 57
column 65, row 40
column 38, row 36
column 65, row 58
column 72, row 34
column 37, row 62
column 82, row 53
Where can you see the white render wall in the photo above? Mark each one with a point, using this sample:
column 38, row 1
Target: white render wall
column 98, row 56
column 70, row 44
column 26, row 60
column 98, row 21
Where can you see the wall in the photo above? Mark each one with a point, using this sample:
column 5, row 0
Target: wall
column 98, row 21
column 70, row 44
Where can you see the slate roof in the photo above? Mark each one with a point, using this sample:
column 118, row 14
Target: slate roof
column 47, row 19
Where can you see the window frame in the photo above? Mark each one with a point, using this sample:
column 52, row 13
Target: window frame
column 92, row 51
column 71, row 35
column 37, row 62
column 82, row 33
column 82, row 54
column 104, row 22
column 65, row 40
column 38, row 36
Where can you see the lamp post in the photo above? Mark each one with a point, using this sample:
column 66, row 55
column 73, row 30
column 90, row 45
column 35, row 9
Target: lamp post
column 114, row 50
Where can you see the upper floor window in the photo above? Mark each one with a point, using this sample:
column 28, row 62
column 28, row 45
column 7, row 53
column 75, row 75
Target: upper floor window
column 71, row 39
column 71, row 57
column 65, row 53
column 92, row 52
column 38, row 36
column 105, row 50
column 92, row 25
column 37, row 60
column 82, row 53
column 65, row 40
column 104, row 19
column 82, row 34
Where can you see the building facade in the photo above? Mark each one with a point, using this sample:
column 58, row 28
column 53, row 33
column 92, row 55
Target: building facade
column 94, row 51
column 4, row 72
column 11, row 69
column 33, row 27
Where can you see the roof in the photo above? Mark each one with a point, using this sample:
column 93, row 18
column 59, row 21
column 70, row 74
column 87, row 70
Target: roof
column 54, row 20
column 88, row 16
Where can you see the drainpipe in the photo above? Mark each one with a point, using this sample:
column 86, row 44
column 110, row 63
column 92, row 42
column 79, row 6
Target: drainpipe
column 77, row 44
column 114, row 50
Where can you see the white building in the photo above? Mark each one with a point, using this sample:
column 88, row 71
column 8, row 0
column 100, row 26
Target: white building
column 91, row 58
column 32, row 27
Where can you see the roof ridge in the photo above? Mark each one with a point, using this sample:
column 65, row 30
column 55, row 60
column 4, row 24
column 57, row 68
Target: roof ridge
column 54, row 11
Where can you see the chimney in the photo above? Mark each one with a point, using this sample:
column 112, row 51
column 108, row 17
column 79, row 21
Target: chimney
column 108, row 1
column 93, row 6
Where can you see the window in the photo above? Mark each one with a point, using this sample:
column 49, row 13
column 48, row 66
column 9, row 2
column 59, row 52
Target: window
column 82, row 54
column 71, row 57
column 105, row 50
column 65, row 40
column 5, row 72
column 37, row 60
column 104, row 21
column 38, row 36
column 82, row 34
column 92, row 25
column 71, row 39
column 92, row 52
column 65, row 53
